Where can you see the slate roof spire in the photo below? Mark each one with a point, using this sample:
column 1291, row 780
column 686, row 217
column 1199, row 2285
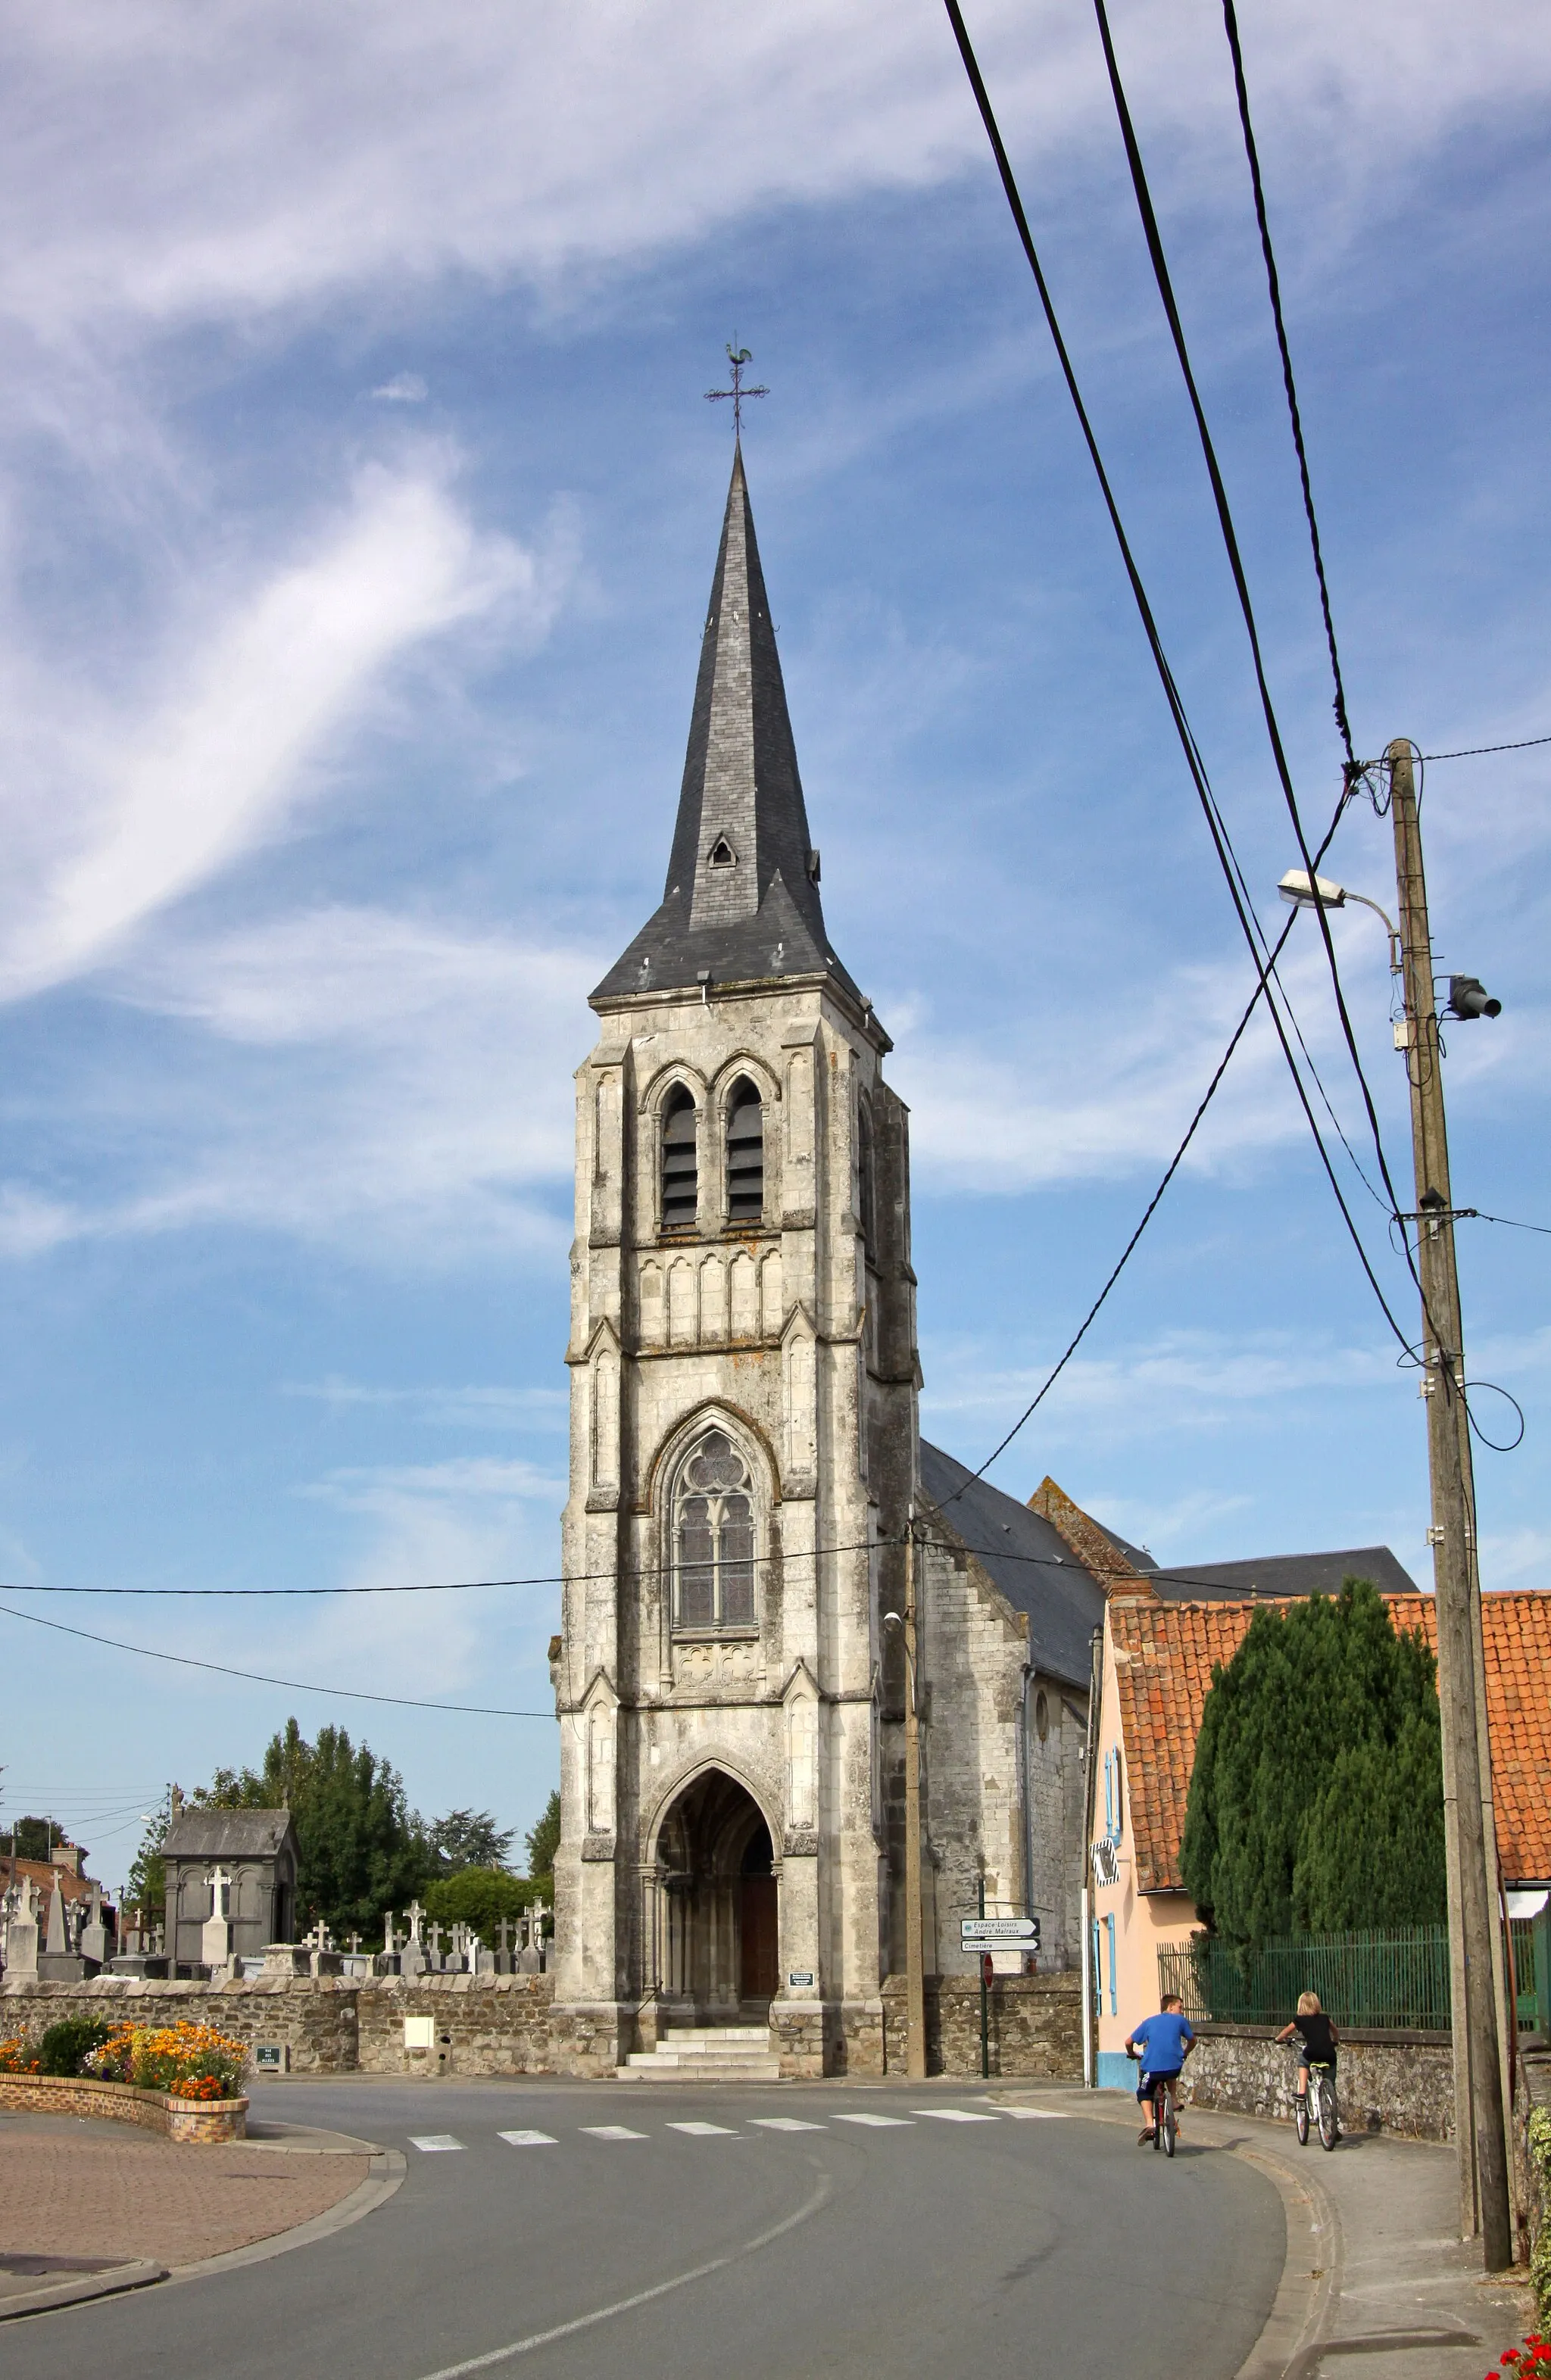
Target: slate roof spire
column 741, row 902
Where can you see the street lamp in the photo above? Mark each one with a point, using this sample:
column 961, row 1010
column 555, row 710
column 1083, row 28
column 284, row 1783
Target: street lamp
column 1301, row 891
column 1481, row 2010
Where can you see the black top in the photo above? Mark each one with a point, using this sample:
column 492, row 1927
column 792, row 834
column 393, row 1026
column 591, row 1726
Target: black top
column 1319, row 2038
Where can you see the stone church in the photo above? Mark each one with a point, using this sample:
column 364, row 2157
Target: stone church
column 746, row 1460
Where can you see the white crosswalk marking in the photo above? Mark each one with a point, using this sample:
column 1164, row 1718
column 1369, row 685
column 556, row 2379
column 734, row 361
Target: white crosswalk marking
column 613, row 2132
column 954, row 2115
column 785, row 2124
column 879, row 2120
column 529, row 2140
column 706, row 2131
column 1038, row 2114
column 433, row 2142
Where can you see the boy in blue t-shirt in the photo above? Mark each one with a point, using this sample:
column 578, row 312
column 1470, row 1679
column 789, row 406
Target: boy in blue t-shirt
column 1162, row 2043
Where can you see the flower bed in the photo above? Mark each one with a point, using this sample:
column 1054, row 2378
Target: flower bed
column 182, row 2080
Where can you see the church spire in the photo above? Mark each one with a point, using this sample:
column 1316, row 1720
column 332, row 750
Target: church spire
column 741, row 901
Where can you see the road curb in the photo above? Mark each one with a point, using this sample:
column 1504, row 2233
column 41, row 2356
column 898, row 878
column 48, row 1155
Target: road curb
column 138, row 2274
column 388, row 2170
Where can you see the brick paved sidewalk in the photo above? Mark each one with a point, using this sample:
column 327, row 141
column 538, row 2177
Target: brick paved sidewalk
column 74, row 2188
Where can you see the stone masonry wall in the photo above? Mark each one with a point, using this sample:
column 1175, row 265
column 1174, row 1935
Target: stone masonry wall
column 1033, row 2026
column 480, row 2024
column 1385, row 2081
column 312, row 2017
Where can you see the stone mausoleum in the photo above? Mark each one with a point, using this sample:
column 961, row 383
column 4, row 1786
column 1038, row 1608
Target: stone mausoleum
column 256, row 1851
column 745, row 1460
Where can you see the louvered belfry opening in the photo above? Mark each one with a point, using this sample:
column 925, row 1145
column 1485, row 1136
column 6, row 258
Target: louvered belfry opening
column 680, row 1179
column 745, row 1156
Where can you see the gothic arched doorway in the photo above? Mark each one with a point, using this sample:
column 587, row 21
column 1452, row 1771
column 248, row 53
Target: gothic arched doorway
column 719, row 1953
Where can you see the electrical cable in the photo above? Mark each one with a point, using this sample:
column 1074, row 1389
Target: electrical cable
column 1478, row 1216
column 1230, row 543
column 258, row 1677
column 1194, row 762
column 1153, row 1203
column 1274, row 285
column 1474, row 752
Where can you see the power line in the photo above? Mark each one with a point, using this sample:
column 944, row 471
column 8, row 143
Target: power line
column 1154, row 1202
column 1274, row 285
column 1474, row 752
column 1230, row 543
column 1194, row 763
column 258, row 1677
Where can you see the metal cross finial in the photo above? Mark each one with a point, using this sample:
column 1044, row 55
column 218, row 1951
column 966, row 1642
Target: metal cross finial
column 737, row 358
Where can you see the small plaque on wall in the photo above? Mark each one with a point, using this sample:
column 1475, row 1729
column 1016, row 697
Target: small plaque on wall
column 270, row 2056
column 796, row 1982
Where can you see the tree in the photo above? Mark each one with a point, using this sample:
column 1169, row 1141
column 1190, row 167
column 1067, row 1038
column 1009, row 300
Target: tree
column 469, row 1839
column 36, row 1838
column 1316, row 1796
column 542, row 1844
column 480, row 1897
column 147, row 1888
column 359, row 1851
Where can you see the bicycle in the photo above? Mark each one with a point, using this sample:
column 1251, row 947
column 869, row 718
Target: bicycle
column 1166, row 2120
column 1322, row 2091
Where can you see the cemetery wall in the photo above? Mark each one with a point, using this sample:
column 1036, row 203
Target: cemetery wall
column 313, row 2017
column 1033, row 2026
column 324, row 2025
column 480, row 2024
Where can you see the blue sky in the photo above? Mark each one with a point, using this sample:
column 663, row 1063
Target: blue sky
column 357, row 508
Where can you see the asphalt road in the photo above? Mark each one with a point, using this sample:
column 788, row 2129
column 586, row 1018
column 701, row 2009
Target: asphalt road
column 916, row 2246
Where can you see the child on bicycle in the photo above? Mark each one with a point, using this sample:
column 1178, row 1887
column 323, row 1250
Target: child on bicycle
column 1317, row 2036
column 1161, row 2044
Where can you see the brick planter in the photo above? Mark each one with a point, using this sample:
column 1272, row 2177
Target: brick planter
column 155, row 2111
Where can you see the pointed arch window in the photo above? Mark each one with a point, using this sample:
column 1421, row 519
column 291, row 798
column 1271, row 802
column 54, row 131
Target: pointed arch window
column 680, row 1175
column 746, row 1155
column 722, row 853
column 714, row 1540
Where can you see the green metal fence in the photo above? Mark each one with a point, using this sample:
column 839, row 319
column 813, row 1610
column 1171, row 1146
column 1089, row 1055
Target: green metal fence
column 1392, row 1980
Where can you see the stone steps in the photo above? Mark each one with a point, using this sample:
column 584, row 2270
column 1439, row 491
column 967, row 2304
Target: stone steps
column 731, row 2053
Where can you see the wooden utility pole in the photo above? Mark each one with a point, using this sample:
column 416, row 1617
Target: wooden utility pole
column 1476, row 1949
column 915, row 1932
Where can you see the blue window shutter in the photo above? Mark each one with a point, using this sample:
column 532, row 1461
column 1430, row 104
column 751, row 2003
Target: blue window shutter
column 1114, row 1994
column 1109, row 1794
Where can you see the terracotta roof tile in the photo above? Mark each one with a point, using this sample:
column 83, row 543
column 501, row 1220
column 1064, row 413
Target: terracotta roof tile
column 1164, row 1657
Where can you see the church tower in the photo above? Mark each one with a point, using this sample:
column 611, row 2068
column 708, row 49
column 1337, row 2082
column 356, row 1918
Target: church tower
column 742, row 1425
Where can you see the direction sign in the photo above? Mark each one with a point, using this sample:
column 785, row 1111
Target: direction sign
column 982, row 1933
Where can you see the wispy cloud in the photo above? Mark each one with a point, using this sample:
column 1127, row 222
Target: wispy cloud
column 404, row 388
column 151, row 805
column 417, row 142
column 354, row 1076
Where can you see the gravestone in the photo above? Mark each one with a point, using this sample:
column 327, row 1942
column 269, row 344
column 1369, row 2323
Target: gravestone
column 215, row 1937
column 57, row 1963
column 21, row 1937
column 433, row 1955
column 412, row 1955
column 323, row 1958
column 94, row 1935
column 503, row 1948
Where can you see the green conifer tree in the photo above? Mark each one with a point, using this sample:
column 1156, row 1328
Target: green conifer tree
column 1317, row 1797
